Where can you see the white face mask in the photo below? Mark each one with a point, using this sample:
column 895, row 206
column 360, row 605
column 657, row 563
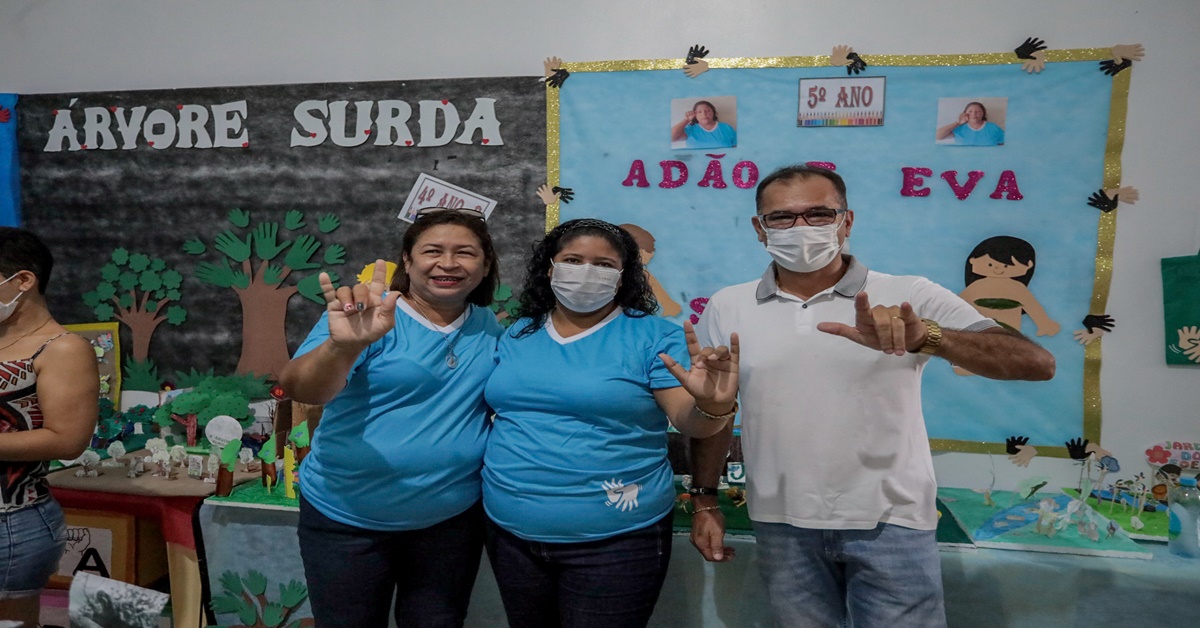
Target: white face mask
column 7, row 309
column 803, row 249
column 584, row 288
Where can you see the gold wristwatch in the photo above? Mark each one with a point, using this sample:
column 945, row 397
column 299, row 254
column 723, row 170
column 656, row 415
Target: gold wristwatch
column 933, row 338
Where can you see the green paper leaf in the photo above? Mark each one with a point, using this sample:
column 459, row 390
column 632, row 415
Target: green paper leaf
column 157, row 264
column 120, row 256
column 248, row 615
column 335, row 254
column 104, row 312
column 293, row 594
column 310, row 287
column 106, row 291
column 171, row 279
column 92, row 299
column 195, row 246
column 503, row 292
column 294, row 220
column 128, row 281
column 229, row 458
column 232, row 583
column 110, row 272
column 299, row 435
column 231, row 245
column 328, row 223
column 151, row 306
column 255, row 582
column 176, row 315
column 139, row 262
column 173, row 294
column 272, row 615
column 149, row 281
column 267, row 454
column 125, row 300
column 239, row 218
column 227, row 604
column 272, row 275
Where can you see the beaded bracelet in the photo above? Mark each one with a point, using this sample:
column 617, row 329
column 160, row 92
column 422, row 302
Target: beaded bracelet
column 720, row 417
column 706, row 508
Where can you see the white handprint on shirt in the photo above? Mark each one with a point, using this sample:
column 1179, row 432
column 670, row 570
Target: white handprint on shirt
column 621, row 496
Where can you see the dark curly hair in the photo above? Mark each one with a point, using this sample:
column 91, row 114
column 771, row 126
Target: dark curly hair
column 537, row 299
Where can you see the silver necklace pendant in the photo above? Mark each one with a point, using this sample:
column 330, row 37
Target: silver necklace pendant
column 451, row 359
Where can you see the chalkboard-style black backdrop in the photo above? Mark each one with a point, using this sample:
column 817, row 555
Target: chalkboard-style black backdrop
column 151, row 200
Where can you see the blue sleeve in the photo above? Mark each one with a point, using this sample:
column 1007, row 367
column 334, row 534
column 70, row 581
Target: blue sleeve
column 673, row 344
column 730, row 135
column 319, row 333
column 998, row 135
column 10, row 177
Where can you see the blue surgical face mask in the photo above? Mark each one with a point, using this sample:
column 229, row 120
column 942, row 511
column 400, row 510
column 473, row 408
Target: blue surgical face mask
column 7, row 309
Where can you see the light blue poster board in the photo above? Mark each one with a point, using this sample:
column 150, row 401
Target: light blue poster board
column 611, row 122
column 10, row 175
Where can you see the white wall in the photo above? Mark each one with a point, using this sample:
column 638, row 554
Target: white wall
column 86, row 45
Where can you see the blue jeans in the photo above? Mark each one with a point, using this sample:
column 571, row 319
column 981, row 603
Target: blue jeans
column 354, row 573
column 609, row 583
column 889, row 576
column 31, row 543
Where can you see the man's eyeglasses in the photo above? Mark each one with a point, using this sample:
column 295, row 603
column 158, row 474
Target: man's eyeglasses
column 425, row 212
column 817, row 217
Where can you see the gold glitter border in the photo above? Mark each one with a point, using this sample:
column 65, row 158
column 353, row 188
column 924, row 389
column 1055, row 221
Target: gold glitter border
column 1106, row 233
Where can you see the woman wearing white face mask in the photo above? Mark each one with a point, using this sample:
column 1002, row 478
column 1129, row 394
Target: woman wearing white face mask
column 48, row 407
column 576, row 481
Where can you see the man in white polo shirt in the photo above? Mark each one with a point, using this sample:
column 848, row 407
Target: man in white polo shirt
column 839, row 475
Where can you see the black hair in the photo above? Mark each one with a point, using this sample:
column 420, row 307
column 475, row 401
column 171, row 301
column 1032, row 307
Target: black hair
column 483, row 294
column 801, row 172
column 21, row 250
column 712, row 107
column 1003, row 249
column 980, row 106
column 537, row 299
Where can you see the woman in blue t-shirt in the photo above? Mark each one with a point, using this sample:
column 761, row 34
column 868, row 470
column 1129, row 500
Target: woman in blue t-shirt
column 576, row 482
column 389, row 494
column 701, row 127
column 972, row 128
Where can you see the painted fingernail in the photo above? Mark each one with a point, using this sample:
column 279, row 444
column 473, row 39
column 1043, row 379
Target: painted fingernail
column 360, row 307
column 349, row 307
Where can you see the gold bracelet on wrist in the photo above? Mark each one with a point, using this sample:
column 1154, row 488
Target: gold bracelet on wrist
column 727, row 416
column 705, row 509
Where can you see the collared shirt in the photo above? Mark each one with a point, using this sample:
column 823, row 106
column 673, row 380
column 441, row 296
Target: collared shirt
column 832, row 431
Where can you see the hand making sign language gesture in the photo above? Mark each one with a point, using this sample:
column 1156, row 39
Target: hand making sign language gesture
column 360, row 315
column 892, row 329
column 713, row 378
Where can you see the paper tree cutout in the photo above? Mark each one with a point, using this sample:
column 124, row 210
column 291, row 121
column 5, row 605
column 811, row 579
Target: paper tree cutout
column 246, row 596
column 504, row 305
column 213, row 397
column 262, row 264
column 136, row 289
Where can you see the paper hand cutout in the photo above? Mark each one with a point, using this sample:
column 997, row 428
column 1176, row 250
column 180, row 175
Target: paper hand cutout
column 856, row 63
column 1101, row 201
column 557, row 79
column 698, row 67
column 1085, row 337
column 1189, row 341
column 1077, row 448
column 840, row 56
column 1031, row 45
column 1097, row 450
column 1112, row 68
column 1011, row 443
column 1128, row 52
column 547, row 195
column 550, row 65
column 566, row 195
column 5, row 115
column 1035, row 63
column 696, row 52
column 1127, row 194
column 1098, row 321
column 1024, row 454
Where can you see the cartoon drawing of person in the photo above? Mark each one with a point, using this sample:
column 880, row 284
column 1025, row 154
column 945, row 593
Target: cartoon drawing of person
column 997, row 276
column 1167, row 476
column 645, row 243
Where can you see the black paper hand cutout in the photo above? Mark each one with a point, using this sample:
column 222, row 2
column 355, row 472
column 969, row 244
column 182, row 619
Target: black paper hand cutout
column 856, row 64
column 1102, row 202
column 1031, row 45
column 1011, row 443
column 696, row 52
column 1077, row 448
column 1112, row 68
column 565, row 195
column 558, row 78
column 1098, row 321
